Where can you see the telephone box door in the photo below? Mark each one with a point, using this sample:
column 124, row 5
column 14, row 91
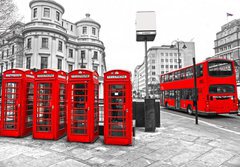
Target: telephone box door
column 117, row 111
column 11, row 110
column 44, row 120
column 80, row 107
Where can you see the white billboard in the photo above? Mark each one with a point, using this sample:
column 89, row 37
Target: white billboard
column 145, row 25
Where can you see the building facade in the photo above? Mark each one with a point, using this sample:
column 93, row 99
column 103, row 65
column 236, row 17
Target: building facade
column 227, row 46
column 161, row 59
column 49, row 41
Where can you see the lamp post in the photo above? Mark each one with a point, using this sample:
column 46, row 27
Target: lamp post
column 138, row 85
column 177, row 43
column 195, row 89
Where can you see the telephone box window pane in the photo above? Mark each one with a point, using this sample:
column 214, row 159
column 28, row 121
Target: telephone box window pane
column 29, row 104
column 11, row 106
column 44, row 107
column 79, row 122
column 62, row 106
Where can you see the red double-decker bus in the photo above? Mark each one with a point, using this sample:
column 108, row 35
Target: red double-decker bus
column 216, row 87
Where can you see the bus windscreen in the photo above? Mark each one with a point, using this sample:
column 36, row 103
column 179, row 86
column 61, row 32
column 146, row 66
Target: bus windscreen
column 221, row 89
column 220, row 68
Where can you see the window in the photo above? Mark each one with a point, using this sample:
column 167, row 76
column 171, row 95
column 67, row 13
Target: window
column 57, row 16
column 12, row 64
column 171, row 60
column 95, row 55
column 12, row 49
column 153, row 67
column 175, row 60
column 46, row 12
column 177, row 75
column 29, row 43
column 2, row 54
column 28, row 63
column 84, row 30
column 221, row 89
column 93, row 31
column 71, row 27
column 6, row 65
column 153, row 73
column 199, row 70
column 162, row 66
column 34, row 12
column 70, row 67
column 1, row 68
column 70, row 53
column 162, row 60
column 95, row 68
column 175, row 66
column 59, row 65
column 189, row 72
column 166, row 60
column 44, row 42
column 82, row 54
column 171, row 66
column 59, row 45
column 220, row 68
column 182, row 74
column 7, row 52
column 166, row 66
column 44, row 62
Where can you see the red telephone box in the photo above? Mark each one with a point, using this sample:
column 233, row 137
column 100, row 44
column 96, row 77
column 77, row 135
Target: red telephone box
column 17, row 102
column 49, row 104
column 83, row 109
column 117, row 107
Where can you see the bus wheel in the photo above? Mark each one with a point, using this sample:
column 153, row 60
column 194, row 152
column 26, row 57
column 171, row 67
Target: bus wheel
column 166, row 105
column 189, row 110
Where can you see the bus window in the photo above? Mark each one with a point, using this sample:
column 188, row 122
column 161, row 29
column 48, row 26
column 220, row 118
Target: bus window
column 171, row 94
column 162, row 79
column 189, row 72
column 170, row 77
column 177, row 75
column 166, row 94
column 182, row 74
column 220, row 68
column 199, row 70
column 221, row 89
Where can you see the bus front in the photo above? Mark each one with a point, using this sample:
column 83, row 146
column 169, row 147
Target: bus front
column 221, row 90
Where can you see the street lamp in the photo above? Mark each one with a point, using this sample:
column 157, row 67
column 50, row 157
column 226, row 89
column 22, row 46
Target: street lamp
column 177, row 43
column 195, row 89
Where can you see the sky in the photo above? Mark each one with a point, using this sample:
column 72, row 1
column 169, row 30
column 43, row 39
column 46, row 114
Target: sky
column 186, row 20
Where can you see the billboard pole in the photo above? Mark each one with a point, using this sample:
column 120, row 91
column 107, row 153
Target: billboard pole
column 146, row 70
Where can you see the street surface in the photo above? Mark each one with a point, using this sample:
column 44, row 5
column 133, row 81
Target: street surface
column 177, row 143
column 226, row 121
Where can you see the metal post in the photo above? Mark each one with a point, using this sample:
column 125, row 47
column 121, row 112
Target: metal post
column 138, row 86
column 146, row 70
column 195, row 91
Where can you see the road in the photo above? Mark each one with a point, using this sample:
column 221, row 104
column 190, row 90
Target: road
column 224, row 121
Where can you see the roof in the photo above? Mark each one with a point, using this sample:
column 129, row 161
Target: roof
column 88, row 20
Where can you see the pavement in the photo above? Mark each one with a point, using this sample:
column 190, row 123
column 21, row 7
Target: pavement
column 177, row 143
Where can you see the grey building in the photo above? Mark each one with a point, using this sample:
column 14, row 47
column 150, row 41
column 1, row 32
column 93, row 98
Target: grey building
column 161, row 59
column 227, row 45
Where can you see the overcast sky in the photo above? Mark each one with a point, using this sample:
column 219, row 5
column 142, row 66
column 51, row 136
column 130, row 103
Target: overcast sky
column 186, row 20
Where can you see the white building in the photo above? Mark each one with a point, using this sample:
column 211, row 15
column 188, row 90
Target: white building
column 161, row 59
column 49, row 41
